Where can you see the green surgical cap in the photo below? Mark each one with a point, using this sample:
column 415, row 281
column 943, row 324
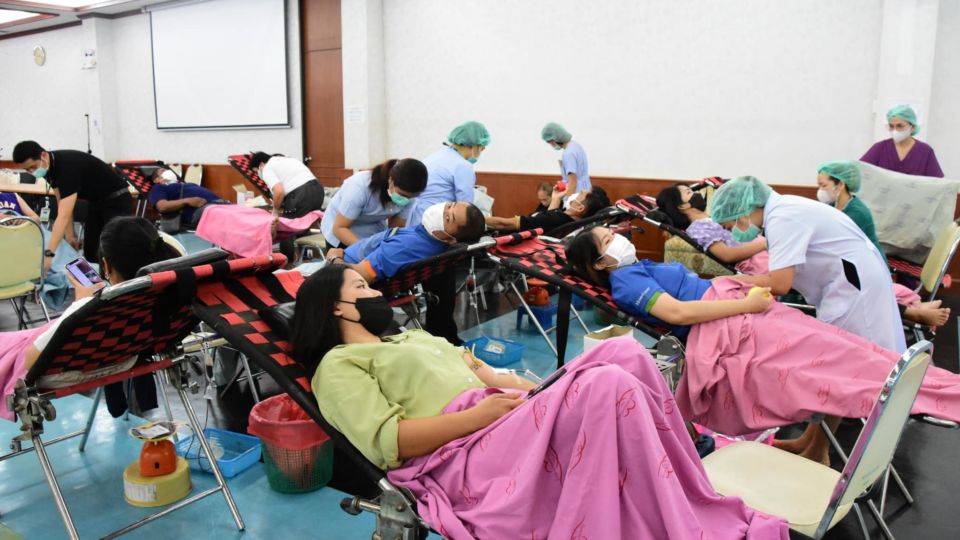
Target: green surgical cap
column 470, row 134
column 845, row 171
column 906, row 113
column 737, row 198
column 555, row 132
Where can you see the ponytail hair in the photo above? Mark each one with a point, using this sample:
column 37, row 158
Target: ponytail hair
column 407, row 174
column 130, row 243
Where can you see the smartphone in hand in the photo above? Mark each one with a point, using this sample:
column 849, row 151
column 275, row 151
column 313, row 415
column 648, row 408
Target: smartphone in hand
column 554, row 377
column 83, row 272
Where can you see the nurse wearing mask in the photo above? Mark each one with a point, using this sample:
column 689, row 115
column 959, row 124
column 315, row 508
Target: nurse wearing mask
column 450, row 170
column 901, row 152
column 371, row 201
column 574, row 170
column 820, row 253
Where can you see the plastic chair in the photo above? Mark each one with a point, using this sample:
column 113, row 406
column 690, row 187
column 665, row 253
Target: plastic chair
column 811, row 496
column 21, row 249
column 935, row 269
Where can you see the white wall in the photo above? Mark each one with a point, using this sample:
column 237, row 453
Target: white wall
column 662, row 89
column 45, row 103
column 944, row 132
column 48, row 103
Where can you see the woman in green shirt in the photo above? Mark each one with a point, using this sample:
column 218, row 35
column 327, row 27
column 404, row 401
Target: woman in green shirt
column 837, row 183
column 393, row 389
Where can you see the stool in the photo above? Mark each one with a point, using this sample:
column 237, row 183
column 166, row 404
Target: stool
column 309, row 244
column 544, row 315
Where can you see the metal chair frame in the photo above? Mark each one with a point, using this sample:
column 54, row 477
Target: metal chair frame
column 23, row 319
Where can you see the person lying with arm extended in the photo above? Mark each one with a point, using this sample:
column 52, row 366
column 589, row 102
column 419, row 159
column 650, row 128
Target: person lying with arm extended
column 582, row 206
column 384, row 254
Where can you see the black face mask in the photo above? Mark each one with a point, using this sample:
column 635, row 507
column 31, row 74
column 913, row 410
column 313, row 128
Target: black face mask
column 697, row 201
column 375, row 313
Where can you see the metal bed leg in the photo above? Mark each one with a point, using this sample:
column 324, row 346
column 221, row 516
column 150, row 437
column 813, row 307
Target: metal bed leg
column 534, row 320
column 43, row 306
column 90, row 418
column 54, row 488
column 579, row 319
column 162, row 388
column 128, row 391
column 198, row 433
column 250, row 378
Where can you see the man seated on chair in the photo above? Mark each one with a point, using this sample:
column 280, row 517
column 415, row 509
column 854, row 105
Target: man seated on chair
column 582, row 206
column 169, row 195
column 386, row 253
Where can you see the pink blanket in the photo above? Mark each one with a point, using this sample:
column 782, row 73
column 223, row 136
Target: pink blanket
column 752, row 372
column 13, row 348
column 758, row 264
column 603, row 453
column 246, row 231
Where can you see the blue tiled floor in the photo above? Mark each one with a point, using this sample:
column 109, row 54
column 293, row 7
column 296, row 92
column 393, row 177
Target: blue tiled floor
column 93, row 487
column 537, row 356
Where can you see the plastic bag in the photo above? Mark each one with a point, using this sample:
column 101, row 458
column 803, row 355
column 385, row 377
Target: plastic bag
column 280, row 421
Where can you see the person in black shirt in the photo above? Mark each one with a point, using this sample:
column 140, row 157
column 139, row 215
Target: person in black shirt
column 583, row 205
column 76, row 175
column 544, row 193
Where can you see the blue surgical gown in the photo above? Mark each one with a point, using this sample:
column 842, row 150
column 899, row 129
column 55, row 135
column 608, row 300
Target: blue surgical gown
column 450, row 178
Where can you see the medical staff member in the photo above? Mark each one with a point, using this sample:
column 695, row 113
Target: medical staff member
column 818, row 251
column 293, row 187
column 574, row 170
column 76, row 175
column 370, row 201
column 902, row 152
column 450, row 170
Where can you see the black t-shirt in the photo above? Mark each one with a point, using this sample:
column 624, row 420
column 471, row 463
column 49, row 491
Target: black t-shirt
column 548, row 221
column 73, row 171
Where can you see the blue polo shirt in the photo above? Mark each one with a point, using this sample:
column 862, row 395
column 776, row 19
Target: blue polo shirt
column 386, row 253
column 171, row 192
column 635, row 289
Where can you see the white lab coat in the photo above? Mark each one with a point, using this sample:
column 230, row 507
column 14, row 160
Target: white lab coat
column 815, row 239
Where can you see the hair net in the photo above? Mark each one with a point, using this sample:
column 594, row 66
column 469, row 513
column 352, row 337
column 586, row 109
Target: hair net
column 470, row 134
column 905, row 112
column 737, row 198
column 845, row 171
column 555, row 132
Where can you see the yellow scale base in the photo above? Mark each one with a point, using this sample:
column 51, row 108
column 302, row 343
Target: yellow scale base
column 152, row 491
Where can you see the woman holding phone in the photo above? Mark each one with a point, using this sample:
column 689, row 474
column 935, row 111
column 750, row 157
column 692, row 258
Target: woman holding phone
column 126, row 245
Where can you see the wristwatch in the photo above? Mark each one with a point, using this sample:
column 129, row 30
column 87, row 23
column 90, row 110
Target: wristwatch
column 48, row 253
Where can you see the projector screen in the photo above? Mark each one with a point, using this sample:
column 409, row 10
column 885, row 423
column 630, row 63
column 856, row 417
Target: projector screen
column 220, row 64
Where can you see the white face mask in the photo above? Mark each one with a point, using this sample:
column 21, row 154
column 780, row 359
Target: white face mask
column 900, row 136
column 169, row 175
column 826, row 197
column 432, row 220
column 622, row 251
